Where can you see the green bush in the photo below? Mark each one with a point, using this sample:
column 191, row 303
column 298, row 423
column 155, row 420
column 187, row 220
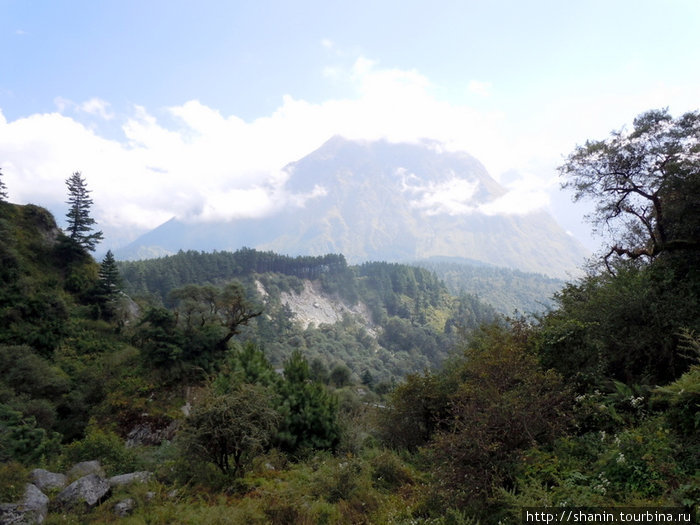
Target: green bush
column 13, row 478
column 105, row 446
column 389, row 472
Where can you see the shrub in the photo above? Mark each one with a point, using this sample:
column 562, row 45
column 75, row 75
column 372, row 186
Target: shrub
column 13, row 478
column 102, row 445
column 229, row 430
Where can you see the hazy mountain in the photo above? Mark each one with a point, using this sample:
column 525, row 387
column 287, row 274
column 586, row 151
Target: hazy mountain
column 385, row 201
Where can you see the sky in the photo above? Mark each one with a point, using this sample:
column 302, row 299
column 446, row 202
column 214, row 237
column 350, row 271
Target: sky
column 192, row 109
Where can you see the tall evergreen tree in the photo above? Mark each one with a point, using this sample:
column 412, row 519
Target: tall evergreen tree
column 109, row 287
column 3, row 189
column 110, row 280
column 80, row 223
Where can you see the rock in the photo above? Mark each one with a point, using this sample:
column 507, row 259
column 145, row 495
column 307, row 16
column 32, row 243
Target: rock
column 45, row 480
column 146, row 434
column 85, row 468
column 124, row 507
column 36, row 501
column 133, row 477
column 32, row 509
column 90, row 490
column 10, row 514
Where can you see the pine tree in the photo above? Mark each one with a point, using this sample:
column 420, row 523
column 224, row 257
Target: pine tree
column 109, row 286
column 110, row 280
column 80, row 224
column 3, row 189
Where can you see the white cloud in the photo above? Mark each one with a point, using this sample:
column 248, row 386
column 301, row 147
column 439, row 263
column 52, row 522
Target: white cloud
column 526, row 193
column 453, row 196
column 98, row 107
column 479, row 88
column 199, row 164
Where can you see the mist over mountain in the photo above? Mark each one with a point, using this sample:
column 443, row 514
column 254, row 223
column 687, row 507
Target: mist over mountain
column 376, row 200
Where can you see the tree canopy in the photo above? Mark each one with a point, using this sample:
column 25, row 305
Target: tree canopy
column 3, row 188
column 80, row 223
column 645, row 183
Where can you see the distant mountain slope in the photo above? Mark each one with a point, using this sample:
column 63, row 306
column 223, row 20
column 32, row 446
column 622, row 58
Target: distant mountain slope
column 505, row 289
column 389, row 319
column 390, row 202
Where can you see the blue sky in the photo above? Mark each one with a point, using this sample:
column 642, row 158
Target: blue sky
column 192, row 108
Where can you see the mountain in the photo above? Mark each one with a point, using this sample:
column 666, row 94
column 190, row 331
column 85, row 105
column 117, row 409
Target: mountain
column 507, row 290
column 385, row 201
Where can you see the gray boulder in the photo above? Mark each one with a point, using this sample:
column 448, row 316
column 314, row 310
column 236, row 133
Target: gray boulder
column 85, row 468
column 127, row 479
column 45, row 480
column 124, row 507
column 89, row 490
column 32, row 509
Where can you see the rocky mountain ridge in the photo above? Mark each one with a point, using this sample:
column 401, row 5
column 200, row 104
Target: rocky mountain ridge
column 386, row 202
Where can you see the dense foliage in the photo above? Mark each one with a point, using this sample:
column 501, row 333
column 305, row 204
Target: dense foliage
column 412, row 325
column 159, row 277
column 508, row 290
column 245, row 416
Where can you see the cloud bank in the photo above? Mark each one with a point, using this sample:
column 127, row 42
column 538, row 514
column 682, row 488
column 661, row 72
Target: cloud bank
column 192, row 162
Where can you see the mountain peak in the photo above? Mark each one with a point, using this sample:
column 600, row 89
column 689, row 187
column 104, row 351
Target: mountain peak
column 381, row 200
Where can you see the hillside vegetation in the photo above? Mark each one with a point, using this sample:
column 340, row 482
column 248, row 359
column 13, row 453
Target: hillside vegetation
column 411, row 322
column 595, row 403
column 509, row 291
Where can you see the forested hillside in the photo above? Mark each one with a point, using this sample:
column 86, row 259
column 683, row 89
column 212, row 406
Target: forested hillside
column 595, row 403
column 413, row 322
column 507, row 290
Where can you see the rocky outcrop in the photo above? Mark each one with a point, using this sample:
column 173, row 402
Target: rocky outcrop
column 32, row 509
column 313, row 306
column 86, row 468
column 125, row 507
column 149, row 434
column 127, row 479
column 89, row 490
column 46, row 481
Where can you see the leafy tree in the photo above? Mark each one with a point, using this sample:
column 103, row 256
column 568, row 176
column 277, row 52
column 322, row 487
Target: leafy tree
column 504, row 404
column 3, row 189
column 340, row 376
column 646, row 185
column 235, row 310
column 226, row 309
column 417, row 408
column 80, row 223
column 230, row 430
column 160, row 340
column 318, row 370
